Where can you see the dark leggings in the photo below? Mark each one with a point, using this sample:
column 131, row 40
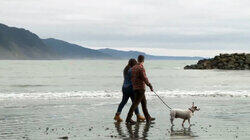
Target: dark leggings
column 127, row 93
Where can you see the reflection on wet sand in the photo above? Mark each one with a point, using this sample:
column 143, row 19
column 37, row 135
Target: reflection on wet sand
column 133, row 131
column 182, row 133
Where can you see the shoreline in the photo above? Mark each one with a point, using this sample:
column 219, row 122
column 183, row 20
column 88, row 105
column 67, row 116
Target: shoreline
column 88, row 118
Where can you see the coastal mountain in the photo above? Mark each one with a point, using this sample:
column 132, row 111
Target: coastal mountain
column 134, row 54
column 72, row 51
column 18, row 43
column 21, row 44
column 121, row 54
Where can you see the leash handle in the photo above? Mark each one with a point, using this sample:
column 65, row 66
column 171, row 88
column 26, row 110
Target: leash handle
column 162, row 100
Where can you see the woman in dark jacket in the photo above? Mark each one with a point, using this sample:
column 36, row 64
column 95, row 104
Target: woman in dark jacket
column 127, row 90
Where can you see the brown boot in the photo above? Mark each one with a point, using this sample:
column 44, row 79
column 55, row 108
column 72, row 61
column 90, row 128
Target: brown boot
column 140, row 118
column 130, row 122
column 150, row 119
column 117, row 117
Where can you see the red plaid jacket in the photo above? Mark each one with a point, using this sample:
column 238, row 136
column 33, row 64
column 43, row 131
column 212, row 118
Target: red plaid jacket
column 139, row 78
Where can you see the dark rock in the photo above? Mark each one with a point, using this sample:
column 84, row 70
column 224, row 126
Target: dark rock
column 64, row 137
column 247, row 58
column 235, row 61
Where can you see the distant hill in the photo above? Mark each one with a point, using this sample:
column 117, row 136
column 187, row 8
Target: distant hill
column 121, row 54
column 72, row 51
column 134, row 54
column 21, row 44
column 18, row 43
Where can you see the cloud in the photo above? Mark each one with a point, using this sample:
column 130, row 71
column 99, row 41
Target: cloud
column 167, row 24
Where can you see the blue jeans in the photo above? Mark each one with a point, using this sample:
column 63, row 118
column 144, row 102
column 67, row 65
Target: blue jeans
column 127, row 93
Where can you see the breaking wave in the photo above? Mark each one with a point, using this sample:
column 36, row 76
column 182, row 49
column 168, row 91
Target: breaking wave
column 117, row 94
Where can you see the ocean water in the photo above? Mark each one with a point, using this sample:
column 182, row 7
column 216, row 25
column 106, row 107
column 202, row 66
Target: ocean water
column 97, row 78
column 77, row 99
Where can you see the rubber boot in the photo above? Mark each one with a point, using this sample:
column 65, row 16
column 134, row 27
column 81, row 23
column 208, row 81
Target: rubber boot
column 140, row 118
column 117, row 117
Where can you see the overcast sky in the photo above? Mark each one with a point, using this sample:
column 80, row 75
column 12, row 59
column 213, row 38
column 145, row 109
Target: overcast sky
column 161, row 27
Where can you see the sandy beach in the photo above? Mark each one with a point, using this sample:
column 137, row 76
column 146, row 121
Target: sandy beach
column 66, row 66
column 92, row 118
column 72, row 100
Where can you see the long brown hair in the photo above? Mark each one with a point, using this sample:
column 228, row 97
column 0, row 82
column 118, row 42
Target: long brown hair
column 130, row 64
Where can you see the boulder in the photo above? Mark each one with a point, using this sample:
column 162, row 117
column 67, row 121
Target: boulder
column 235, row 61
column 247, row 59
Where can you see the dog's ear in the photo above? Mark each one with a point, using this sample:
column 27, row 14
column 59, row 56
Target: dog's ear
column 193, row 104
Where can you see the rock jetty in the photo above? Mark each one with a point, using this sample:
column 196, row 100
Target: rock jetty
column 235, row 61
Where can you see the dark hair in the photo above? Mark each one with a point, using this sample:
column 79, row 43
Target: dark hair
column 130, row 64
column 140, row 58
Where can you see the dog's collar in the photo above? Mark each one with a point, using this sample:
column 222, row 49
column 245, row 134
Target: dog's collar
column 191, row 110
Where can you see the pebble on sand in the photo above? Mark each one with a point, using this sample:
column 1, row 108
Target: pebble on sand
column 64, row 137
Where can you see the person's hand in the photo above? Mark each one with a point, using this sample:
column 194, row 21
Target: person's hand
column 151, row 87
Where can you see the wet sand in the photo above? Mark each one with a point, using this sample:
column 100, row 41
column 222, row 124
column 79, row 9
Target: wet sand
column 92, row 118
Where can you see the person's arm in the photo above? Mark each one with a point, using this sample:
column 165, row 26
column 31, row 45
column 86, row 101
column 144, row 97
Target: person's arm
column 145, row 78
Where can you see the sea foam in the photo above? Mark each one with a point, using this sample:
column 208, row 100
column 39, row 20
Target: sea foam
column 118, row 94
